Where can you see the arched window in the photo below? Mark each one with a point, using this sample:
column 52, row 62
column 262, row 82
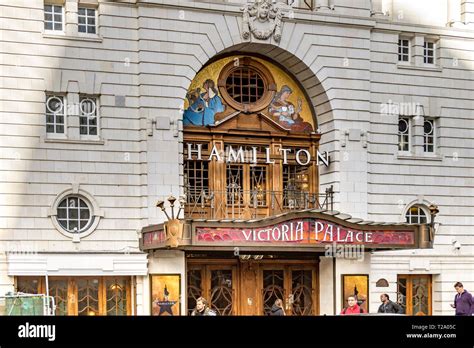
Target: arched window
column 416, row 214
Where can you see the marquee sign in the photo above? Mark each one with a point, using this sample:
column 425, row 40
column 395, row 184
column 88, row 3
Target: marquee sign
column 303, row 232
column 299, row 230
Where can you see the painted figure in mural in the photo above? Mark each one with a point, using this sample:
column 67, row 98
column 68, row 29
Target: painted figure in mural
column 285, row 113
column 203, row 106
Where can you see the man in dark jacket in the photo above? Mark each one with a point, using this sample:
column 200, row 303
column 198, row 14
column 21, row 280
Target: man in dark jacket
column 463, row 301
column 388, row 306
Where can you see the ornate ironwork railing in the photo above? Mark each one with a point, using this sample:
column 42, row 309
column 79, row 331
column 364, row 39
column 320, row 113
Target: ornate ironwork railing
column 235, row 203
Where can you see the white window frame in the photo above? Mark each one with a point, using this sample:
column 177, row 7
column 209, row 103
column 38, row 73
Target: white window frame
column 408, row 54
column 65, row 114
column 409, row 119
column 97, row 115
column 422, row 208
column 426, row 57
column 95, row 212
column 434, row 135
column 96, row 18
column 63, row 22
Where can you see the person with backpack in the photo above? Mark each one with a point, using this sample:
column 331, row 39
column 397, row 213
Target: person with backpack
column 353, row 307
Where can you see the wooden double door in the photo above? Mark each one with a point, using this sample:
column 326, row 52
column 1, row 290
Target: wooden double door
column 251, row 287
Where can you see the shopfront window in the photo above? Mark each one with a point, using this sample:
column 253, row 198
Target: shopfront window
column 87, row 296
column 414, row 294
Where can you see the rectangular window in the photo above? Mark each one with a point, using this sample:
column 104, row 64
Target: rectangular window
column 429, row 135
column 196, row 180
column 429, row 52
column 403, row 134
column 53, row 17
column 88, row 116
column 87, row 296
column 55, row 113
column 235, row 185
column 403, row 50
column 87, row 20
column 258, row 185
column 295, row 186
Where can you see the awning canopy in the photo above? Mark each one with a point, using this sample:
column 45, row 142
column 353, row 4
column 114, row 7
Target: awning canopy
column 306, row 230
column 80, row 264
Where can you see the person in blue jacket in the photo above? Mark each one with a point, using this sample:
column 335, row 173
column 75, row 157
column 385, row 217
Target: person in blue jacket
column 203, row 106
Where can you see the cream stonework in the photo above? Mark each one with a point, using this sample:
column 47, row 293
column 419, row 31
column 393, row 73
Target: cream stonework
column 140, row 64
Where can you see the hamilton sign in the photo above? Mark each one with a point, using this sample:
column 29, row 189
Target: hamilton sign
column 244, row 154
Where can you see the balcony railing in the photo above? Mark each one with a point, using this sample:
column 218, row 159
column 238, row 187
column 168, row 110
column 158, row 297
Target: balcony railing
column 235, row 203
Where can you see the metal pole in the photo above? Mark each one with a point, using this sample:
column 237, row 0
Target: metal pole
column 47, row 293
column 334, row 285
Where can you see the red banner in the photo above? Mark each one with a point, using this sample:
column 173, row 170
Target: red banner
column 302, row 232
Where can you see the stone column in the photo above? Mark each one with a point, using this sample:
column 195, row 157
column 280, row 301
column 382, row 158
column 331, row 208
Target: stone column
column 70, row 20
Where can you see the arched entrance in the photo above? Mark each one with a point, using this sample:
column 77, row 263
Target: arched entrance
column 250, row 152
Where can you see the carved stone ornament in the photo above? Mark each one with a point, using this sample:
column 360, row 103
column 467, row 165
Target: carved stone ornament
column 262, row 19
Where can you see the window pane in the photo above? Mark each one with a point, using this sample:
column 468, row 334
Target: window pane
column 82, row 11
column 62, row 213
column 116, row 291
column 47, row 8
column 72, row 225
column 49, row 128
column 88, row 297
column 48, row 26
column 90, row 12
column 93, row 131
column 58, row 9
column 63, row 224
column 82, row 20
column 28, row 285
column 82, row 29
column 73, row 213
column 60, row 129
column 58, row 26
column 84, row 213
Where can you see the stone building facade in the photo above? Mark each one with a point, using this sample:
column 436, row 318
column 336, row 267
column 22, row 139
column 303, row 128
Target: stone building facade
column 391, row 84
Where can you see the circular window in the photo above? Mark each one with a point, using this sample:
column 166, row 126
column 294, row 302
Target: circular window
column 428, row 127
column 54, row 105
column 74, row 214
column 87, row 107
column 247, row 86
column 402, row 125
